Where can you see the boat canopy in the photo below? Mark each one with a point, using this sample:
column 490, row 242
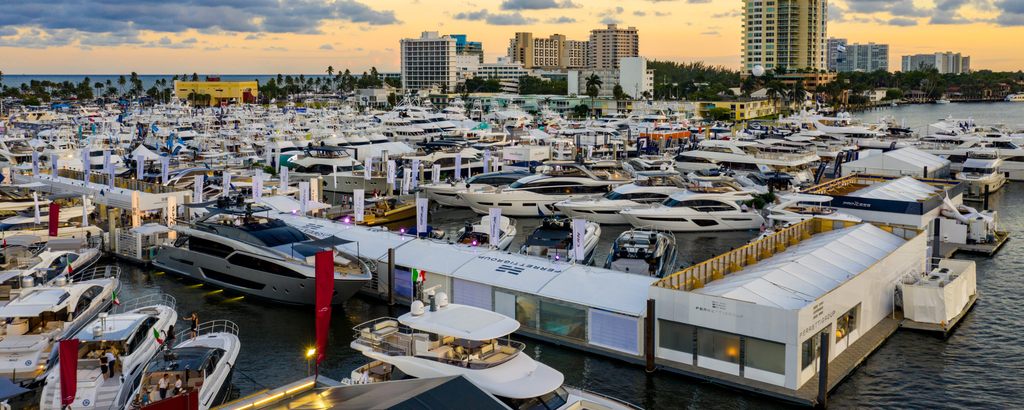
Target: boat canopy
column 901, row 189
column 34, row 303
column 463, row 322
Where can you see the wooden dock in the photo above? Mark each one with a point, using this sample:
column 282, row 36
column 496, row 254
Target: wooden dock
column 986, row 249
column 839, row 368
column 942, row 330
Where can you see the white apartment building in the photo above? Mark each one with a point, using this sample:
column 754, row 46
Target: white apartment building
column 428, row 61
column 552, row 53
column 785, row 33
column 611, row 44
column 632, row 75
column 945, row 63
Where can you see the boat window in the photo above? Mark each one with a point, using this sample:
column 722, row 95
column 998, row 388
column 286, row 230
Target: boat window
column 976, row 170
column 677, row 336
column 209, row 247
column 764, row 355
column 563, row 320
column 263, row 265
column 140, row 335
column 718, row 345
column 699, row 205
column 809, row 350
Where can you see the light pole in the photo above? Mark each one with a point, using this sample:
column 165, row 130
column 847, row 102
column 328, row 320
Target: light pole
column 310, row 353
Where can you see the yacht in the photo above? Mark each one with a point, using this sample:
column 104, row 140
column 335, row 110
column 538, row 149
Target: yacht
column 387, row 210
column 69, row 224
column 130, row 333
column 41, row 265
column 537, row 194
column 793, row 208
column 480, row 233
column 746, row 157
column 42, row 315
column 981, row 172
column 1019, row 97
column 236, row 249
column 645, row 191
column 643, row 252
column 322, row 160
column 447, row 193
column 553, row 240
column 449, row 339
column 697, row 211
column 206, row 364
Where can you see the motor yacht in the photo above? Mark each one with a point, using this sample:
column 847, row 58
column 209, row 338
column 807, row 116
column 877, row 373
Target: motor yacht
column 643, row 252
column 449, row 339
column 447, row 193
column 322, row 160
column 236, row 249
column 69, row 224
column 134, row 332
column 793, row 208
column 537, row 194
column 205, row 364
column 646, row 191
column 553, row 240
column 480, row 233
column 387, row 210
column 982, row 173
column 42, row 315
column 746, row 157
column 698, row 211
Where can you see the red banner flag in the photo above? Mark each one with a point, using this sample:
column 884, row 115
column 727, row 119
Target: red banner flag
column 68, row 357
column 54, row 218
column 324, row 295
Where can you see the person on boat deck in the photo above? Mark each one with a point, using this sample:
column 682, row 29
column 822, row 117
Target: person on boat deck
column 110, row 362
column 103, row 365
column 162, row 386
column 177, row 385
column 194, row 323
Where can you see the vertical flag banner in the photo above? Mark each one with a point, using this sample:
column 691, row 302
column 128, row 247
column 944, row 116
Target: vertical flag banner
column 368, row 169
column 257, row 186
column 35, row 206
column 324, row 281
column 406, row 181
column 172, row 211
column 284, row 180
column 67, row 355
column 494, row 216
column 140, row 164
column 579, row 229
column 226, row 177
column 421, row 215
column 303, row 196
column 358, row 203
column 487, row 161
column 85, row 211
column 391, row 173
column 590, row 151
column 108, row 167
column 54, row 164
column 54, row 218
column 35, row 162
column 458, row 166
column 85, row 164
column 197, row 187
column 165, row 164
column 435, row 174
column 106, row 160
column 415, row 173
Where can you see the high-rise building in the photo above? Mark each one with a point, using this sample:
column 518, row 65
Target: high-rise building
column 552, row 53
column 785, row 33
column 611, row 44
column 834, row 47
column 428, row 61
column 945, row 63
column 466, row 47
column 864, row 58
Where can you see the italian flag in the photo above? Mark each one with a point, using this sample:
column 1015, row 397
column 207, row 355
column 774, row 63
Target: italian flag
column 418, row 276
column 117, row 301
column 156, row 335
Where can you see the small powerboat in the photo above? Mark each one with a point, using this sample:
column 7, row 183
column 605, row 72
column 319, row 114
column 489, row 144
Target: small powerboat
column 480, row 233
column 643, row 251
column 553, row 239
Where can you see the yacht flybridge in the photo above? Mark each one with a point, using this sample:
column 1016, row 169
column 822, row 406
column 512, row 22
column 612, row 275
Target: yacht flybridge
column 445, row 339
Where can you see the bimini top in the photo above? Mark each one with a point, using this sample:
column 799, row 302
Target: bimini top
column 900, row 189
column 801, row 274
column 463, row 322
column 114, row 327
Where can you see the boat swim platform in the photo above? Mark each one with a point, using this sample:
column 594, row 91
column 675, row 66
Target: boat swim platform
column 984, row 249
column 839, row 368
column 943, row 330
column 151, row 197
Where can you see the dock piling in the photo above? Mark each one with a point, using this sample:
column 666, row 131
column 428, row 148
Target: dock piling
column 649, row 337
column 391, row 276
column 823, row 372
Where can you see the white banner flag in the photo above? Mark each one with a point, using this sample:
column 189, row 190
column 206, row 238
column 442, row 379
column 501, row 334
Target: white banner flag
column 35, row 162
column 458, row 166
column 269, row 153
column 257, row 187
column 494, row 218
column 406, row 181
column 197, row 189
column 579, row 230
column 85, row 211
column 358, row 203
column 108, row 167
column 85, row 164
column 284, row 180
column 54, row 164
column 487, row 161
column 368, row 169
column 421, row 216
column 590, row 151
column 226, row 183
column 165, row 164
column 415, row 173
column 140, row 164
column 172, row 211
column 35, row 205
column 435, row 174
column 303, row 196
column 391, row 173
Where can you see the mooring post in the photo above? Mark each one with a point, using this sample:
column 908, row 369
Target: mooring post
column 936, row 245
column 391, row 276
column 984, row 206
column 823, row 371
column 649, row 336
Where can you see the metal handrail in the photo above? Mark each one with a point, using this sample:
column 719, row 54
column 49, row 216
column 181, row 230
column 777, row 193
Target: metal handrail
column 210, row 327
column 152, row 299
column 96, row 272
column 604, row 396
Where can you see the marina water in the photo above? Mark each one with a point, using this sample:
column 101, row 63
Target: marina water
column 979, row 366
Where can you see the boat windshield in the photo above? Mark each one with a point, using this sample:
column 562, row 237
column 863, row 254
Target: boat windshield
column 551, row 401
column 974, row 170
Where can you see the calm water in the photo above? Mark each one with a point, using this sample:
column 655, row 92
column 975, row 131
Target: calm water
column 980, row 366
column 919, row 116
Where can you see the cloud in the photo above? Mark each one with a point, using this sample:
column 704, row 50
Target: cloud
column 1011, row 12
column 710, row 33
column 901, row 22
column 639, row 13
column 662, row 13
column 560, row 20
column 7, row 31
column 497, row 19
column 326, row 47
column 610, row 16
column 538, row 4
column 733, row 13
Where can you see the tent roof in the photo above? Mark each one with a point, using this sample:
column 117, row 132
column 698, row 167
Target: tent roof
column 900, row 189
column 800, row 275
column 430, row 393
column 908, row 158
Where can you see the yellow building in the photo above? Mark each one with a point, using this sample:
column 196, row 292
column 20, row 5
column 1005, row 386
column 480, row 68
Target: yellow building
column 741, row 110
column 216, row 92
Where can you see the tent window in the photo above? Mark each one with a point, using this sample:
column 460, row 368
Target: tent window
column 718, row 345
column 847, row 323
column 676, row 336
column 527, row 311
column 809, row 350
column 563, row 320
column 764, row 355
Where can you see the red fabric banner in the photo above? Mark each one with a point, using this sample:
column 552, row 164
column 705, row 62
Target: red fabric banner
column 54, row 218
column 68, row 357
column 324, row 295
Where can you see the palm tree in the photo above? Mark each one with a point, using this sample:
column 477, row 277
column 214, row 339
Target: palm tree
column 593, row 87
column 330, row 76
column 120, row 83
column 798, row 94
column 775, row 91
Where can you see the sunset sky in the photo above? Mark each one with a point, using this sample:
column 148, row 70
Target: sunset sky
column 304, row 36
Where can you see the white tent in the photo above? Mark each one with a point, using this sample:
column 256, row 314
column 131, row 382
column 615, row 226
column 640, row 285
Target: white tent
column 904, row 161
column 145, row 153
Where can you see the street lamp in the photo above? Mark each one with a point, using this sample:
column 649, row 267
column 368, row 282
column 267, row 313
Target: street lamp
column 310, row 353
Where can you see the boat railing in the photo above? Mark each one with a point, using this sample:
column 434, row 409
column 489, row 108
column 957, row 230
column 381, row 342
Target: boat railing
column 152, row 299
column 384, row 335
column 584, row 392
column 482, row 361
column 96, row 272
column 209, row 327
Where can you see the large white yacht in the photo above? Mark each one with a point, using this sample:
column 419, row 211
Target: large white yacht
column 982, row 173
column 696, row 211
column 793, row 208
column 445, row 339
column 42, row 315
column 69, row 219
column 746, row 156
column 447, row 193
column 646, row 191
column 238, row 249
column 537, row 194
column 206, row 364
column 130, row 334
